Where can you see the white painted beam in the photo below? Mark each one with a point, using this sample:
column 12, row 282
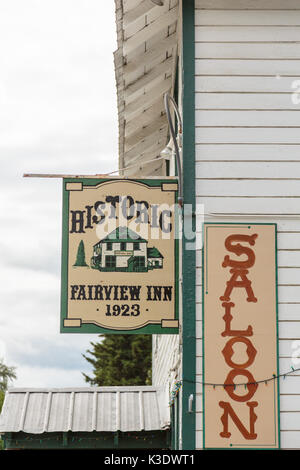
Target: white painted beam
column 135, row 13
column 159, row 135
column 143, row 132
column 151, row 56
column 145, row 115
column 146, row 100
column 161, row 69
column 163, row 21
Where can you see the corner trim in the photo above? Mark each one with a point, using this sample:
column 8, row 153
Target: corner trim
column 188, row 418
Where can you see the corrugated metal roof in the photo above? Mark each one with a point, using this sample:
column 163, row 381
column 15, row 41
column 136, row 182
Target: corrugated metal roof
column 145, row 64
column 103, row 409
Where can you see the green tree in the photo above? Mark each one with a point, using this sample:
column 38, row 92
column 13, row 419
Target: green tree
column 6, row 374
column 80, row 258
column 120, row 360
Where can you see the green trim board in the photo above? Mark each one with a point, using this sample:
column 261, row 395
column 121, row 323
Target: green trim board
column 175, row 424
column 188, row 416
column 110, row 289
column 268, row 396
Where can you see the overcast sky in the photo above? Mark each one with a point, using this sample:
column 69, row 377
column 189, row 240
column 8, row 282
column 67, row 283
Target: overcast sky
column 58, row 114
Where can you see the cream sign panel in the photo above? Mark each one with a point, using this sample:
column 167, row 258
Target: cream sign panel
column 119, row 266
column 240, row 336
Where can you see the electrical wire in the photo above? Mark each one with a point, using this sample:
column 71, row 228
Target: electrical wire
column 256, row 382
column 136, row 164
column 167, row 100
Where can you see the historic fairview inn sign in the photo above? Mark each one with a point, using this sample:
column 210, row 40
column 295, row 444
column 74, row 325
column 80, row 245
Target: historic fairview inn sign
column 240, row 336
column 119, row 256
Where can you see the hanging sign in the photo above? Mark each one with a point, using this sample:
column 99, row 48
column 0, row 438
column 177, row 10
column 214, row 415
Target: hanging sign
column 240, row 336
column 119, row 256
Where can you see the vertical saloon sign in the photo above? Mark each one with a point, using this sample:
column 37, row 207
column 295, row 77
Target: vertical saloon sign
column 240, row 336
column 119, row 256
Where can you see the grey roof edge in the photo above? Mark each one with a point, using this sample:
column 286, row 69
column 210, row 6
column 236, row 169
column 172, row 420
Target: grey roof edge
column 125, row 388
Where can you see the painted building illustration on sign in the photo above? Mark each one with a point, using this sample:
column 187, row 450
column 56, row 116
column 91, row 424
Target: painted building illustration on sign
column 124, row 250
column 119, row 257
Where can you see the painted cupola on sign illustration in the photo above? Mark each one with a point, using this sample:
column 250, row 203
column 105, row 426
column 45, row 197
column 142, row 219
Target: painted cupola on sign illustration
column 124, row 250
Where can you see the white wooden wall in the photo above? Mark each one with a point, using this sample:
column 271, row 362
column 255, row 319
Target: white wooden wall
column 165, row 360
column 248, row 150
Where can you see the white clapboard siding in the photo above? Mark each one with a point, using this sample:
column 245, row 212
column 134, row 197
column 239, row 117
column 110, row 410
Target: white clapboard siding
column 199, row 351
column 199, row 306
column 244, row 152
column 199, row 422
column 255, row 188
column 247, row 135
column 199, row 439
column 199, row 404
column 248, row 205
column 242, row 205
column 290, row 439
column 244, row 84
column 291, row 384
column 199, row 367
column 290, row 348
column 251, row 101
column 248, row 118
column 286, row 364
column 288, row 259
column 289, row 276
column 198, row 332
column 247, row 34
column 247, row 100
column 289, row 329
column 239, row 18
column 247, row 5
column 289, row 312
column 209, row 50
column 248, row 170
column 275, row 68
column 288, row 241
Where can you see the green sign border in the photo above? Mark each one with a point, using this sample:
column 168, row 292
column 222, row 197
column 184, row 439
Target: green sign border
column 90, row 327
column 277, row 340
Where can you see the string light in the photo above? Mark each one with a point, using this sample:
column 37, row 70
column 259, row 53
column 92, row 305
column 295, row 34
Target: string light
column 245, row 384
column 174, row 392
